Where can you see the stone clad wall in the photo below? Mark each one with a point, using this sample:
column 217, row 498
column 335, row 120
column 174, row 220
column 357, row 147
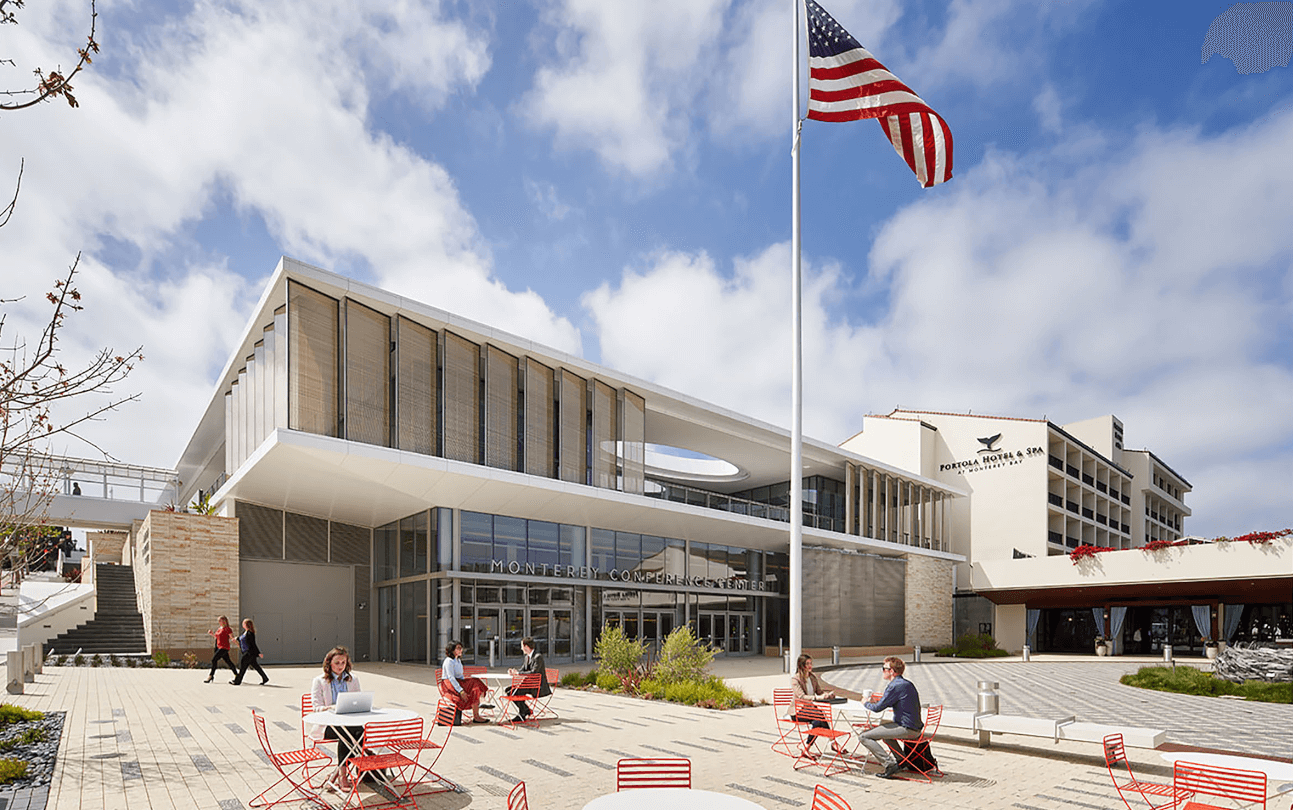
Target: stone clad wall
column 186, row 573
column 929, row 602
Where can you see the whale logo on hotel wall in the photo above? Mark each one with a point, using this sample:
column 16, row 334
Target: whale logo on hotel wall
column 989, row 444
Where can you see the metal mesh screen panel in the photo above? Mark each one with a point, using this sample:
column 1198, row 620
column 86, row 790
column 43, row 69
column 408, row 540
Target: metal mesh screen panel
column 860, row 599
column 573, row 437
column 306, row 538
column 540, row 427
column 415, row 386
column 461, row 399
column 260, row 531
column 605, row 406
column 502, row 403
column 349, row 544
column 368, row 377
column 313, row 328
column 633, row 441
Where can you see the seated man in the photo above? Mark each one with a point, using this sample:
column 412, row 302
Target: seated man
column 533, row 664
column 901, row 696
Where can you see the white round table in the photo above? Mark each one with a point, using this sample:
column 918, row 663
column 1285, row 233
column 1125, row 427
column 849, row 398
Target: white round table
column 328, row 717
column 1275, row 771
column 681, row 798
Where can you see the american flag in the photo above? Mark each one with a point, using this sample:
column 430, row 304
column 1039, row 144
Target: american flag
column 847, row 83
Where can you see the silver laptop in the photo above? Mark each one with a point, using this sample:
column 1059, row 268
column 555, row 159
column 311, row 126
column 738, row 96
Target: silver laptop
column 352, row 702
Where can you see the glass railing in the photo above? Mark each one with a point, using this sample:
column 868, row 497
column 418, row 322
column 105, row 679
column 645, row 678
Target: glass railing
column 678, row 493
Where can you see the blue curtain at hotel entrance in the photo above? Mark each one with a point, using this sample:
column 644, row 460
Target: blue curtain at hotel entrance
column 1034, row 615
column 1202, row 620
column 1233, row 614
column 1116, row 615
column 1098, row 614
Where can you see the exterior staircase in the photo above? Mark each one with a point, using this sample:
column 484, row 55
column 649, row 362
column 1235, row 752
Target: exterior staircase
column 117, row 626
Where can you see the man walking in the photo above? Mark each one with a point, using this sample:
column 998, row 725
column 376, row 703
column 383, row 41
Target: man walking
column 901, row 696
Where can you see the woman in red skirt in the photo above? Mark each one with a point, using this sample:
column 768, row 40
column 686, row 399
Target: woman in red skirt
column 463, row 691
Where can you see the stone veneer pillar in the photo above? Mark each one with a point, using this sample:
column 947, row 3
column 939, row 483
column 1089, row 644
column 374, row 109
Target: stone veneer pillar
column 929, row 602
column 186, row 575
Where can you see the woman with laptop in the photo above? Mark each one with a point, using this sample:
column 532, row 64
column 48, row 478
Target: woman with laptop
column 336, row 680
column 463, row 691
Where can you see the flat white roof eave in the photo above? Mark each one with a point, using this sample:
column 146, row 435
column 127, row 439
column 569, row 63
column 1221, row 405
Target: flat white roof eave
column 367, row 485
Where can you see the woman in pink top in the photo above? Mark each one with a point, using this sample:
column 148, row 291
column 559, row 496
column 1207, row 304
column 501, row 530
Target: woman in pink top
column 222, row 635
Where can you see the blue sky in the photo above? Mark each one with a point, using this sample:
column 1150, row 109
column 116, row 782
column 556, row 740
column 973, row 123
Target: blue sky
column 612, row 179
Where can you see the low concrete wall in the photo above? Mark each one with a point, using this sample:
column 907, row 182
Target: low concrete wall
column 55, row 608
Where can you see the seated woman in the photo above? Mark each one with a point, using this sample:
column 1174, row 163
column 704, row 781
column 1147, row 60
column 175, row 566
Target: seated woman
column 805, row 685
column 336, row 678
column 463, row 691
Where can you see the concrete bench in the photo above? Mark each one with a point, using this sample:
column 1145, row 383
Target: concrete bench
column 1064, row 728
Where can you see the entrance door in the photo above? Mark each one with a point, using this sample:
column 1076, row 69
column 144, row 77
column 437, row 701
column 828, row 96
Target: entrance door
column 561, row 635
column 650, row 632
column 540, row 628
column 486, row 631
column 513, row 632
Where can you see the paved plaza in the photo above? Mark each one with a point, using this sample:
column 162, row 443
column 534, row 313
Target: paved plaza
column 146, row 738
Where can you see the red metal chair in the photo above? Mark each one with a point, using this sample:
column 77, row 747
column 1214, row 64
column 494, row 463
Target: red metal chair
column 307, row 707
column 1244, row 788
column 293, row 768
column 808, row 712
column 516, row 799
column 1125, row 782
column 826, row 799
column 444, row 717
column 379, row 735
column 907, row 756
column 791, row 733
column 473, row 671
column 523, row 690
column 668, row 772
column 540, row 704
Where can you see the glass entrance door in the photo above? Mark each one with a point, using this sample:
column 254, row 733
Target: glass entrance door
column 513, row 632
column 540, row 627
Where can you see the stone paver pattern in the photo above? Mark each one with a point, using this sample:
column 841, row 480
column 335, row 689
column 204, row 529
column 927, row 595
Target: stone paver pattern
column 146, row 738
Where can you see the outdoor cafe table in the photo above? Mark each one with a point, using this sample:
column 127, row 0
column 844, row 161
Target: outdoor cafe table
column 1275, row 770
column 341, row 722
column 673, row 798
column 498, row 682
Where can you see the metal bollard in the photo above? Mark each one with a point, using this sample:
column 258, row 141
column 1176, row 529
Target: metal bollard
column 1028, row 653
column 835, row 655
column 1167, row 652
column 785, row 661
column 492, row 643
column 915, row 654
column 989, row 702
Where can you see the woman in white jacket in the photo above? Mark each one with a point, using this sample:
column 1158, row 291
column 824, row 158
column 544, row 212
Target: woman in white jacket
column 336, row 678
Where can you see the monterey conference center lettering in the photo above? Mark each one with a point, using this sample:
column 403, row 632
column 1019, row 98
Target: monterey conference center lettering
column 620, row 575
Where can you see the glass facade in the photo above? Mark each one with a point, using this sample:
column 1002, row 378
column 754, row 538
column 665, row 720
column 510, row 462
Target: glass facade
column 553, row 582
column 824, row 500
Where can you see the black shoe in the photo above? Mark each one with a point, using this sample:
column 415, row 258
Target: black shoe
column 262, row 683
column 890, row 772
column 236, row 683
column 209, row 680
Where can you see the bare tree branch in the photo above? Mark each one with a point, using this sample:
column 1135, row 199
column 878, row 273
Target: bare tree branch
column 7, row 211
column 53, row 84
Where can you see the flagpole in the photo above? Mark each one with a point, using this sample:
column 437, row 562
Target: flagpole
column 796, row 379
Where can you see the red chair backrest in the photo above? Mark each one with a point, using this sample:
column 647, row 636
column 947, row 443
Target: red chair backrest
column 669, row 772
column 1245, row 787
column 808, row 712
column 446, row 712
column 382, row 732
column 781, row 698
column 826, row 799
column 1114, row 753
column 554, row 677
column 473, row 670
column 528, row 681
column 933, row 716
column 516, row 799
column 262, row 734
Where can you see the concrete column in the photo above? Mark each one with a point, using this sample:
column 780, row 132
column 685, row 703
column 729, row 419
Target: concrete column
column 14, row 670
column 850, row 500
column 29, row 663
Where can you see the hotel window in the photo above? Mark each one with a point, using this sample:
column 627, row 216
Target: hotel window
column 415, row 387
column 572, row 428
column 313, row 329
column 368, row 378
column 461, row 403
column 477, row 541
column 628, row 551
column 413, row 545
column 502, row 406
column 509, row 540
column 571, row 549
column 386, row 552
column 543, row 542
column 603, row 550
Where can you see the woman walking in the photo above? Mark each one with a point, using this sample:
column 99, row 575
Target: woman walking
column 463, row 691
column 222, row 635
column 251, row 654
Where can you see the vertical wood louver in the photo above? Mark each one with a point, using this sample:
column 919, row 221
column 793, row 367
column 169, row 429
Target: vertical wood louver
column 540, row 424
column 368, row 358
column 573, row 428
column 502, row 401
column 633, row 441
column 461, row 399
column 605, row 424
column 415, row 387
column 313, row 330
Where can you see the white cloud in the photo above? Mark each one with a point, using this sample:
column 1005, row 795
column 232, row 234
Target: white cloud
column 622, row 77
column 266, row 104
column 1049, row 109
column 1156, row 284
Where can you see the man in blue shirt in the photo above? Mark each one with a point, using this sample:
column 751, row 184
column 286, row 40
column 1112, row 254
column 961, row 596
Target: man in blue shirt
column 900, row 695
